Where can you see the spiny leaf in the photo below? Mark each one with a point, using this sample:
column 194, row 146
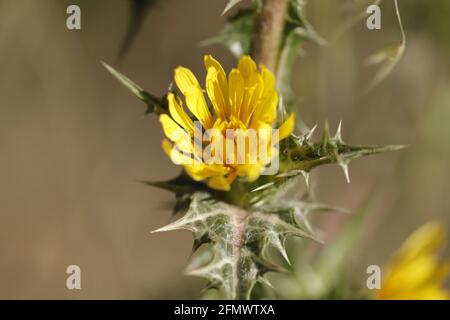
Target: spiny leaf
column 327, row 267
column 272, row 191
column 182, row 186
column 154, row 104
column 300, row 154
column 238, row 240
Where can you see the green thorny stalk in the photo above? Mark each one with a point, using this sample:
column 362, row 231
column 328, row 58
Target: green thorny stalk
column 239, row 226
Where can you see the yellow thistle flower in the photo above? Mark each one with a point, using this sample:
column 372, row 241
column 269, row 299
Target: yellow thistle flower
column 246, row 99
column 415, row 273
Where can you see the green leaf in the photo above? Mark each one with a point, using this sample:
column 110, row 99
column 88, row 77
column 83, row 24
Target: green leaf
column 301, row 154
column 154, row 104
column 238, row 239
column 237, row 35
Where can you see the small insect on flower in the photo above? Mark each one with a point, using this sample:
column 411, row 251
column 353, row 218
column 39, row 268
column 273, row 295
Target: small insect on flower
column 233, row 138
column 415, row 272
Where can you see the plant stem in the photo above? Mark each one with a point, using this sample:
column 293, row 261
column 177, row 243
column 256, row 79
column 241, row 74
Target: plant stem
column 270, row 32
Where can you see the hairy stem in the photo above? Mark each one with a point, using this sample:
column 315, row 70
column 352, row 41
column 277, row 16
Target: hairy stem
column 239, row 221
column 270, row 31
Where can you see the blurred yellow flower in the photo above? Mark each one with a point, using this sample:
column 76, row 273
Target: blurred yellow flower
column 246, row 100
column 415, row 272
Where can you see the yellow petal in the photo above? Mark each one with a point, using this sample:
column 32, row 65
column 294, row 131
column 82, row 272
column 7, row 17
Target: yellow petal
column 251, row 171
column 287, row 127
column 246, row 66
column 176, row 134
column 201, row 171
column 184, row 78
column 222, row 183
column 416, row 272
column 167, row 146
column 176, row 156
column 269, row 80
column 216, row 93
column 210, row 62
column 266, row 148
column 196, row 103
column 219, row 183
column 217, row 86
column 266, row 108
column 413, row 275
column 426, row 240
column 252, row 94
column 236, row 91
column 196, row 171
column 178, row 114
column 266, row 111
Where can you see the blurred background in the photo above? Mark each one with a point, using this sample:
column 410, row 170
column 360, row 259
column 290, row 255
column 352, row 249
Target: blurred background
column 74, row 142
